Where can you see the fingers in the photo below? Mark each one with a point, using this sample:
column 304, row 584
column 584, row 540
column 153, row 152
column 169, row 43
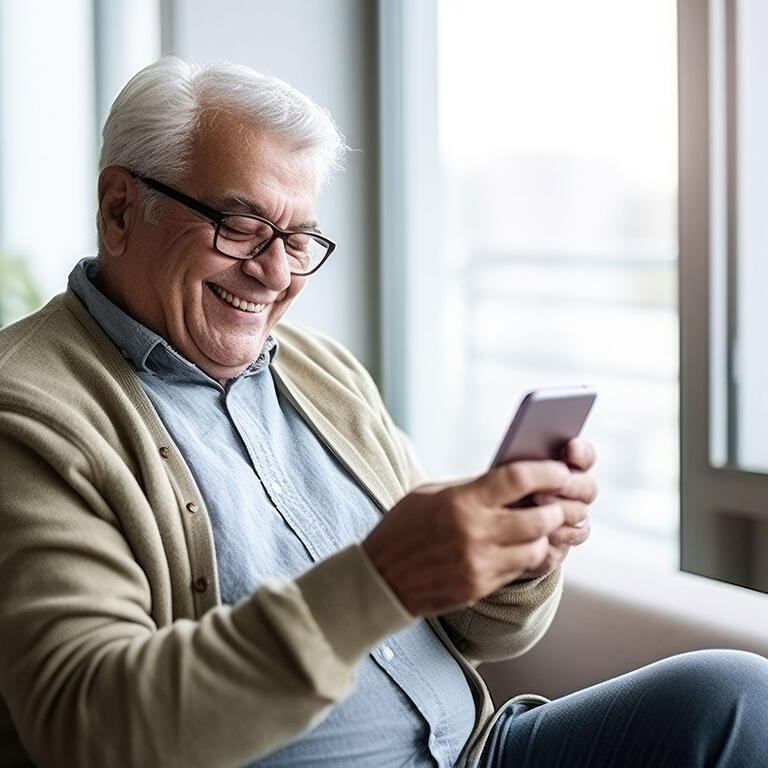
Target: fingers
column 520, row 526
column 521, row 550
column 545, row 555
column 580, row 486
column 517, row 559
column 574, row 512
column 579, row 454
column 511, row 482
column 571, row 535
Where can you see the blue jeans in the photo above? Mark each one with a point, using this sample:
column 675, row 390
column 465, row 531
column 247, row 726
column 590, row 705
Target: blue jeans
column 707, row 709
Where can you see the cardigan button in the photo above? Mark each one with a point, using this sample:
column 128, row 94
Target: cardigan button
column 164, row 452
column 200, row 584
column 192, row 507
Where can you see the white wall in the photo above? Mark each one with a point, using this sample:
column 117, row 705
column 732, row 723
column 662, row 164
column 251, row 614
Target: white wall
column 326, row 49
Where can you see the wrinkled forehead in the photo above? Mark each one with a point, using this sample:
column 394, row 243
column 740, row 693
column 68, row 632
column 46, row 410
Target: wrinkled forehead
column 232, row 154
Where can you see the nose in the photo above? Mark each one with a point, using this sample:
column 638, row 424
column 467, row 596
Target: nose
column 270, row 267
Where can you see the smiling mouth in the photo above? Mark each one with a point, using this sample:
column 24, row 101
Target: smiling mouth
column 235, row 301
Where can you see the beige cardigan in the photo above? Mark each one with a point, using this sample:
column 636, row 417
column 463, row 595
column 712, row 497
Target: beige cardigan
column 115, row 649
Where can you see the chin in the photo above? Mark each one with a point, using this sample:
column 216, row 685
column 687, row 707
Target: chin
column 243, row 357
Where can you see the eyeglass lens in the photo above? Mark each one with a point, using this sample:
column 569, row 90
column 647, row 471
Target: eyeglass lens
column 243, row 236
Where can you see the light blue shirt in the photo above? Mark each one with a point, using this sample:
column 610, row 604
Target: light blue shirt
column 279, row 501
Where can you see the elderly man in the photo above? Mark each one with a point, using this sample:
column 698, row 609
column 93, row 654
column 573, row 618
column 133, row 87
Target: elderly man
column 212, row 552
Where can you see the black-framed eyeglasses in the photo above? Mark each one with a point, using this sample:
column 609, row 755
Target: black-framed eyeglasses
column 245, row 235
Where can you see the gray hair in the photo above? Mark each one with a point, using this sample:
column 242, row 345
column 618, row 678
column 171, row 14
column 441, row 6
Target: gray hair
column 153, row 122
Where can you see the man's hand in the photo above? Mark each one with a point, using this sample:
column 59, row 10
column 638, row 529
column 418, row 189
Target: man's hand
column 575, row 497
column 444, row 546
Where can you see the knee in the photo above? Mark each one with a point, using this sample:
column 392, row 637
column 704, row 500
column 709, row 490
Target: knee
column 737, row 665
column 747, row 671
column 725, row 675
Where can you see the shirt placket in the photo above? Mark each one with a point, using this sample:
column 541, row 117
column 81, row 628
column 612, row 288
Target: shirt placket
column 395, row 658
column 317, row 538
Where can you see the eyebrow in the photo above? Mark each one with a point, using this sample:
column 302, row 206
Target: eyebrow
column 230, row 204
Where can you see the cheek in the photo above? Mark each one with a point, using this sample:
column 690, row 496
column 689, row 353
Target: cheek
column 281, row 307
column 297, row 284
column 189, row 298
column 293, row 290
column 171, row 288
column 194, row 271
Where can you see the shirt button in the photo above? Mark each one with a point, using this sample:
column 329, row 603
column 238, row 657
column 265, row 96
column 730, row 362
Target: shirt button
column 164, row 452
column 192, row 507
column 200, row 584
column 277, row 488
column 387, row 653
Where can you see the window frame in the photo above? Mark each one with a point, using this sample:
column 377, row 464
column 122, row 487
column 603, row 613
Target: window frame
column 409, row 205
column 723, row 511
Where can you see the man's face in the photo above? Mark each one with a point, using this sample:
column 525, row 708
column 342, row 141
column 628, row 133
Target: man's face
column 177, row 278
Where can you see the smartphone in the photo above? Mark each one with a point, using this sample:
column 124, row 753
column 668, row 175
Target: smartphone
column 545, row 421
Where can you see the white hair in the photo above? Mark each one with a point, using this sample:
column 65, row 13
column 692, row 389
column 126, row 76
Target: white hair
column 153, row 122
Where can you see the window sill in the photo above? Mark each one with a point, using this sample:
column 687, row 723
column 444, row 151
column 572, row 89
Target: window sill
column 736, row 613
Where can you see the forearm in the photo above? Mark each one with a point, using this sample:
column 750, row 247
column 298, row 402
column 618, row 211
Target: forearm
column 217, row 692
column 211, row 693
column 89, row 677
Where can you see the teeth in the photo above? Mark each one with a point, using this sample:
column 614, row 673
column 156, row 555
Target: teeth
column 237, row 302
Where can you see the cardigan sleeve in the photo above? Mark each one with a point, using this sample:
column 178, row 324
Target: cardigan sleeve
column 508, row 622
column 91, row 680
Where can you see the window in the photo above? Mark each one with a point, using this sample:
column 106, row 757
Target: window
column 550, row 256
column 61, row 64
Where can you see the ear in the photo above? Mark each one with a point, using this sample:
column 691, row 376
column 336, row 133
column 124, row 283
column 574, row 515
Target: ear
column 118, row 208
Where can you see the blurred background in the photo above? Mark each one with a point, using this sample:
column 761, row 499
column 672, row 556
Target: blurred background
column 508, row 218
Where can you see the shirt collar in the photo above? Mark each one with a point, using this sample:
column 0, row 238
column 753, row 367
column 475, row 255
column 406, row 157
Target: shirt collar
column 145, row 349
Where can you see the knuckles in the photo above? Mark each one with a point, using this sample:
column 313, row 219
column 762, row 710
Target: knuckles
column 460, row 516
column 537, row 527
column 581, row 487
column 542, row 558
column 451, row 501
column 545, row 520
column 580, row 533
column 518, row 476
column 527, row 477
column 581, row 453
column 539, row 552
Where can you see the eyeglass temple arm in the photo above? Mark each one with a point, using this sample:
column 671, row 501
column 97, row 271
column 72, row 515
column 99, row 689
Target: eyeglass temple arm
column 190, row 202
